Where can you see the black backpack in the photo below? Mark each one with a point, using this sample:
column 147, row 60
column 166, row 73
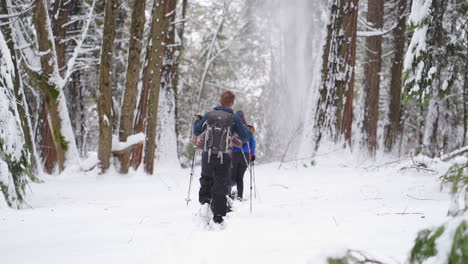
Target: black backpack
column 218, row 133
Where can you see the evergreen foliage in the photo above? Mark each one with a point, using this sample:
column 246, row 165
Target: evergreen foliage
column 457, row 177
column 431, row 245
column 425, row 246
column 15, row 167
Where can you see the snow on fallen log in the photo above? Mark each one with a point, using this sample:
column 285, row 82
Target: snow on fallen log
column 455, row 153
column 132, row 141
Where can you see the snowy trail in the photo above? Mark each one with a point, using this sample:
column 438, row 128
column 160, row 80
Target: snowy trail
column 300, row 216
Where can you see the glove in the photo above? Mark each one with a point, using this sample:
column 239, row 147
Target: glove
column 198, row 117
column 251, row 129
column 252, row 158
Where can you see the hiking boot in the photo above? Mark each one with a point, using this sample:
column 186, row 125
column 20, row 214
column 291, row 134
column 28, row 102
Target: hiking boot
column 218, row 219
column 205, row 210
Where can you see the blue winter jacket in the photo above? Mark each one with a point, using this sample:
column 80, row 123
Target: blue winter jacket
column 239, row 128
column 251, row 146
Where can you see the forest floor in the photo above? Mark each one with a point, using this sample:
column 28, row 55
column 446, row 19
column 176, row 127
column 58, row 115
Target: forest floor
column 300, row 215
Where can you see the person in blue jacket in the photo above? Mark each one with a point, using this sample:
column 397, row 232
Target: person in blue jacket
column 215, row 181
column 241, row 158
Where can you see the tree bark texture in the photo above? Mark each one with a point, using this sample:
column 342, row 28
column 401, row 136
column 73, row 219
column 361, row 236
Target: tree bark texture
column 61, row 15
column 18, row 89
column 179, row 31
column 43, row 80
column 131, row 83
column 465, row 105
column 334, row 110
column 105, row 86
column 142, row 110
column 392, row 129
column 435, row 41
column 372, row 68
column 63, row 10
column 160, row 23
column 168, row 61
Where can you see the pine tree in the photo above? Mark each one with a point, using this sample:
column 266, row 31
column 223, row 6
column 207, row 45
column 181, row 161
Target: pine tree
column 15, row 160
column 131, row 83
column 433, row 66
column 105, row 86
column 392, row 129
column 160, row 24
column 372, row 70
column 334, row 110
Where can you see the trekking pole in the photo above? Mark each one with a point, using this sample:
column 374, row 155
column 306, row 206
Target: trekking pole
column 250, row 190
column 191, row 176
column 192, row 170
column 248, row 164
column 254, row 183
column 251, row 167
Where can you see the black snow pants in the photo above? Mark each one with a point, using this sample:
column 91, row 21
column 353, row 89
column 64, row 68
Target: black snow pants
column 214, row 182
column 239, row 166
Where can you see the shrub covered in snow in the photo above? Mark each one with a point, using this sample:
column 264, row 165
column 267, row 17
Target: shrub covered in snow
column 352, row 257
column 447, row 244
column 14, row 155
column 457, row 177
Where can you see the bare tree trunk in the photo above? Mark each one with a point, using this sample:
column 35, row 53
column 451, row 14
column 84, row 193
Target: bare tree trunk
column 394, row 114
column 44, row 80
column 180, row 28
column 160, row 24
column 63, row 10
column 61, row 14
column 372, row 69
column 46, row 141
column 334, row 111
column 179, row 31
column 142, row 110
column 465, row 105
column 105, row 86
column 131, row 84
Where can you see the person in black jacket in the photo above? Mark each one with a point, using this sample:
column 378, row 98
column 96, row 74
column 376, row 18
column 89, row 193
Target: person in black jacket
column 215, row 174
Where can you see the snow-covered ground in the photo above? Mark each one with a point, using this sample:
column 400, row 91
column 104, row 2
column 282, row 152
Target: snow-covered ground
column 301, row 215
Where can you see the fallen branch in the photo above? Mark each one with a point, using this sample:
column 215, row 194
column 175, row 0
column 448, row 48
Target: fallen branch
column 403, row 213
column 384, row 164
column 421, row 199
column 455, row 153
column 418, row 168
column 280, row 185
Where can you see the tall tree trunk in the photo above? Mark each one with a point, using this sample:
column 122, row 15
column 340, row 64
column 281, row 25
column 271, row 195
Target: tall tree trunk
column 435, row 39
column 334, row 110
column 465, row 105
column 18, row 89
column 160, row 23
column 63, row 10
column 179, row 31
column 45, row 80
column 131, row 84
column 394, row 113
column 105, row 86
column 142, row 110
column 166, row 123
column 375, row 12
column 61, row 15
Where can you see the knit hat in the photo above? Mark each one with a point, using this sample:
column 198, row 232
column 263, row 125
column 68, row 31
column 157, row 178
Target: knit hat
column 241, row 115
